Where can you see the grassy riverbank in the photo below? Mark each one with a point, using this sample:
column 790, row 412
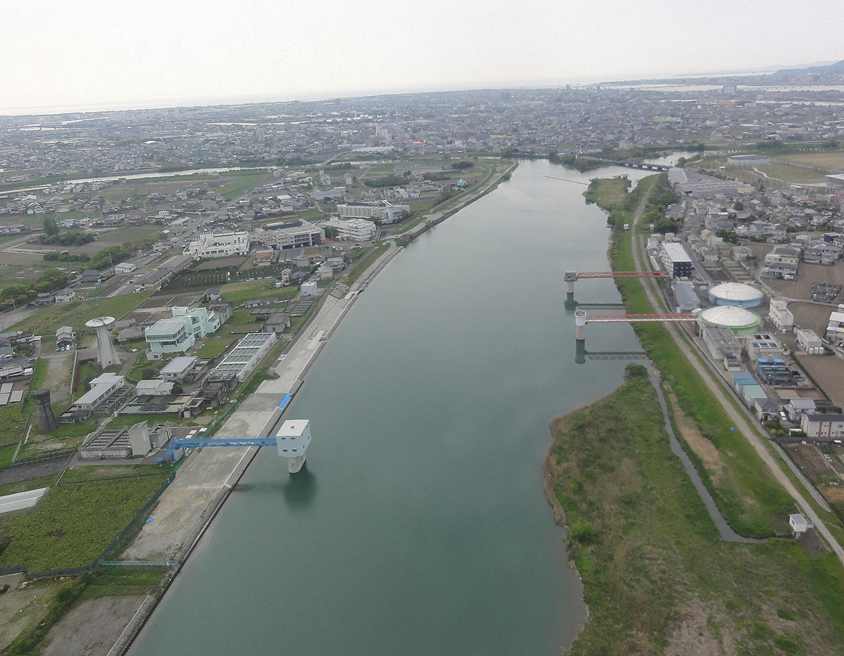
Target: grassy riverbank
column 746, row 492
column 657, row 577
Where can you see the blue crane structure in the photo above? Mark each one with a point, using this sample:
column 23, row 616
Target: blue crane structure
column 291, row 440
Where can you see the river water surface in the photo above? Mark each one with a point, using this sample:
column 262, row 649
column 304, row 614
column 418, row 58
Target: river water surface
column 420, row 526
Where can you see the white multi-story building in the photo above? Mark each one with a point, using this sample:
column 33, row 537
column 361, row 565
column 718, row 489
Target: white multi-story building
column 290, row 234
column 781, row 316
column 388, row 213
column 222, row 244
column 835, row 327
column 170, row 336
column 178, row 334
column 354, row 229
column 822, row 426
column 203, row 322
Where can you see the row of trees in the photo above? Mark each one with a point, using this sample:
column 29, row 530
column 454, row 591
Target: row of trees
column 18, row 294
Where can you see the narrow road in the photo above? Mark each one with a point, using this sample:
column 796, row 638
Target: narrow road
column 741, row 423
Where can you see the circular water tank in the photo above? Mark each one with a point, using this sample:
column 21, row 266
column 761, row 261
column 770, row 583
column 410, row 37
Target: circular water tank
column 735, row 293
column 737, row 319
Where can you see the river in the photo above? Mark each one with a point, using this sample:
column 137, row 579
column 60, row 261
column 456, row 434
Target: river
column 420, row 526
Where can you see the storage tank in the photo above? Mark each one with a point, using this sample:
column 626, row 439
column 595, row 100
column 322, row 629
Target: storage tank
column 736, row 294
column 737, row 319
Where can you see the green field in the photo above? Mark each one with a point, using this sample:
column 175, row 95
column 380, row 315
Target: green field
column 76, row 313
column 657, row 578
column 242, row 184
column 791, row 174
column 12, row 423
column 214, row 347
column 73, row 524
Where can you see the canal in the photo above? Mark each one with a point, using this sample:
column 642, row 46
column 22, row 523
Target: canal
column 420, row 526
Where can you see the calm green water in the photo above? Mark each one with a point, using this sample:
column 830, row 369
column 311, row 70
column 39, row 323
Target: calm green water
column 421, row 527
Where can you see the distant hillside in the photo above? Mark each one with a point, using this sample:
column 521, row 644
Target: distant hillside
column 830, row 69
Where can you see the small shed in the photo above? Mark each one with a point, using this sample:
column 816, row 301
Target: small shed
column 799, row 524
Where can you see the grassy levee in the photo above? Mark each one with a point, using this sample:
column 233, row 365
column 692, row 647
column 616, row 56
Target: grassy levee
column 657, row 577
column 747, row 494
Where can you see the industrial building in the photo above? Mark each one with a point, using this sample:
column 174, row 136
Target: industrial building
column 179, row 369
column 222, row 244
column 764, row 345
column 675, row 260
column 685, row 297
column 104, row 388
column 809, row 342
column 139, row 440
column 245, row 357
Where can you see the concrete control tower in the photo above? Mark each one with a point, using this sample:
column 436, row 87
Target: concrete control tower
column 106, row 354
column 292, row 440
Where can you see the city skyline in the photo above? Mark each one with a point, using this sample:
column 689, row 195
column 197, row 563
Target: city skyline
column 152, row 54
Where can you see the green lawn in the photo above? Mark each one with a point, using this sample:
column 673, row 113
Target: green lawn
column 238, row 292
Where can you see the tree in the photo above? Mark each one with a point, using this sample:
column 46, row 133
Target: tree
column 738, row 206
column 634, row 370
column 51, row 228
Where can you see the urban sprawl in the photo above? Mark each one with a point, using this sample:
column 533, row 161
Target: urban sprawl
column 157, row 265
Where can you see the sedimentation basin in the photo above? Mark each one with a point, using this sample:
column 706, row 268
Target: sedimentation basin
column 420, row 525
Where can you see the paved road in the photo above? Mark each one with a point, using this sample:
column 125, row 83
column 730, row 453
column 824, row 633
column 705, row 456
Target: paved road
column 740, row 421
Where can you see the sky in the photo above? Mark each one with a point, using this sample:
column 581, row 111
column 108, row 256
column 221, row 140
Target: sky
column 91, row 54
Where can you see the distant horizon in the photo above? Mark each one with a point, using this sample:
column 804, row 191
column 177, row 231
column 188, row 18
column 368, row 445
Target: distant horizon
column 320, row 96
column 101, row 56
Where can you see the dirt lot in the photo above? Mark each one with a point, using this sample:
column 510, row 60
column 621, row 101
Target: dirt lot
column 809, row 273
column 221, row 263
column 828, row 373
column 92, row 627
column 58, row 375
column 811, row 460
column 160, row 306
column 812, row 316
column 21, row 608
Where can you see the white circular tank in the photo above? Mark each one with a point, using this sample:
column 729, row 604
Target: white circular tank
column 736, row 293
column 737, row 319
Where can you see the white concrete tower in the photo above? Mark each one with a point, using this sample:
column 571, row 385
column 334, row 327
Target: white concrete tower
column 293, row 439
column 106, row 354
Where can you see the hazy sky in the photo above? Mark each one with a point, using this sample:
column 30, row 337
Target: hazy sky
column 108, row 53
